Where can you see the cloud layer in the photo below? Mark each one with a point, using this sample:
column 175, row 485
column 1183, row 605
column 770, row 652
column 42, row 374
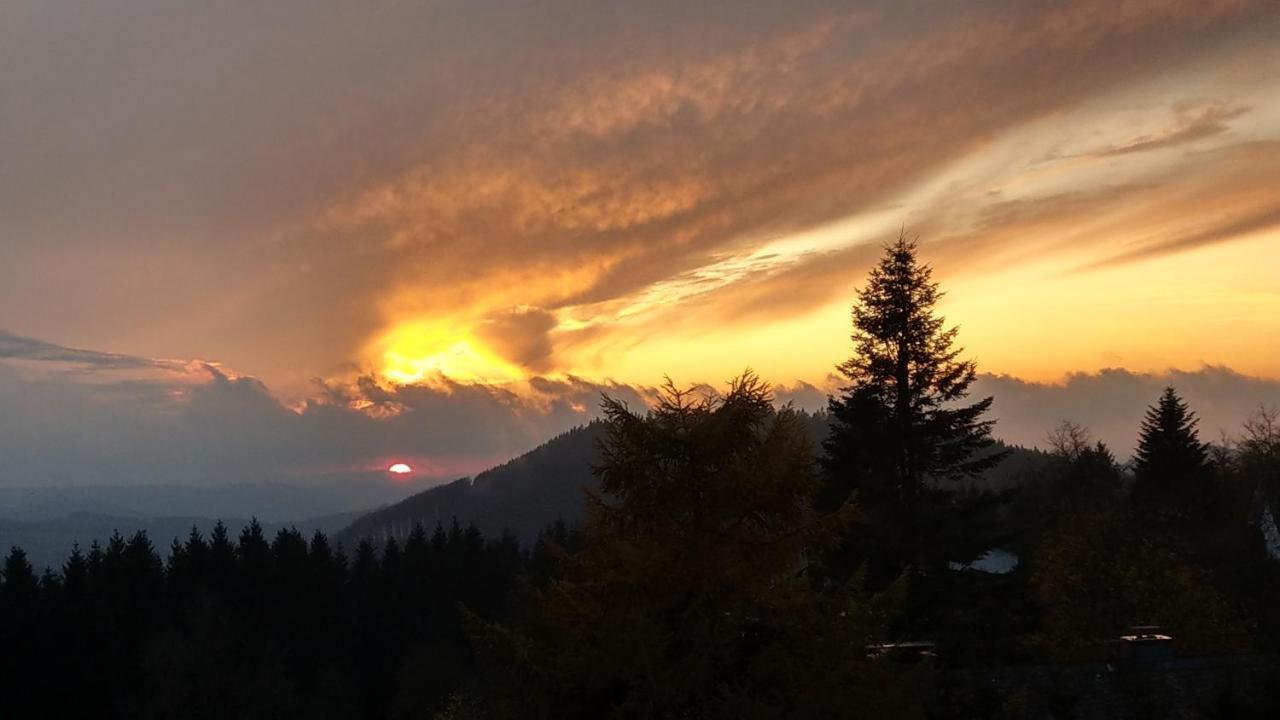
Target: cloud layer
column 68, row 422
column 1112, row 403
column 75, row 417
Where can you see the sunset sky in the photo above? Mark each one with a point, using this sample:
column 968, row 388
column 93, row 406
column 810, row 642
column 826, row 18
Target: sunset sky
column 351, row 213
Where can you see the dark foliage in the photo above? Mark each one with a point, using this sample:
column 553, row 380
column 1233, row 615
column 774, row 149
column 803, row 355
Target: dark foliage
column 1171, row 466
column 904, row 443
column 690, row 594
column 250, row 628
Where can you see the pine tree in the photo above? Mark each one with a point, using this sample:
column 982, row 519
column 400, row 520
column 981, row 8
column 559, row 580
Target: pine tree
column 75, row 575
column 1171, row 465
column 20, row 586
column 221, row 560
column 23, row 651
column 901, row 436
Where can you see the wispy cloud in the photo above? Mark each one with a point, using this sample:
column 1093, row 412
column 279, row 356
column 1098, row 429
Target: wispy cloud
column 16, row 347
column 1232, row 227
column 1192, row 126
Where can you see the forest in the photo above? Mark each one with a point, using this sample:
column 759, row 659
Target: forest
column 727, row 566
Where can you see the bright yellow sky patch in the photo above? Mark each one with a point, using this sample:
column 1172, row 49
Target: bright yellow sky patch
column 426, row 351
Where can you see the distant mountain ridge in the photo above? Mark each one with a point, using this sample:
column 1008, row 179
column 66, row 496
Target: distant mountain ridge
column 529, row 493
column 523, row 495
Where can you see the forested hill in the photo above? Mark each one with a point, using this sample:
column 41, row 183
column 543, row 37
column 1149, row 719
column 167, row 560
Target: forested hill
column 544, row 485
column 523, row 495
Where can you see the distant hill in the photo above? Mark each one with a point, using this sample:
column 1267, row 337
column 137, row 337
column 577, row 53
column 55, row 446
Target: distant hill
column 527, row 494
column 523, row 495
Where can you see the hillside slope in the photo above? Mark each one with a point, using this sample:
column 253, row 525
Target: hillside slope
column 523, row 495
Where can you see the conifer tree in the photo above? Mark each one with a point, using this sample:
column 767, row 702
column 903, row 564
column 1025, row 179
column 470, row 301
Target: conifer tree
column 221, row 559
column 20, row 585
column 901, row 434
column 1171, row 465
column 365, row 566
column 75, row 575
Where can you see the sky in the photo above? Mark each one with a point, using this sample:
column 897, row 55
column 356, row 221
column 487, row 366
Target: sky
column 290, row 238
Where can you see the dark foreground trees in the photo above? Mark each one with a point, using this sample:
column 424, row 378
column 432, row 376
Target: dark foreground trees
column 249, row 627
column 1173, row 545
column 693, row 593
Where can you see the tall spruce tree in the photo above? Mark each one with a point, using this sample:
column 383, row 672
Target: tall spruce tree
column 1171, row 466
column 1169, row 446
column 901, row 435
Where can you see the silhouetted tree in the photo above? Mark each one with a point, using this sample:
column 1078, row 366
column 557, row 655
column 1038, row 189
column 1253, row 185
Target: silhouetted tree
column 901, row 435
column 1081, row 479
column 75, row 575
column 19, row 589
column 1171, row 465
column 1258, row 461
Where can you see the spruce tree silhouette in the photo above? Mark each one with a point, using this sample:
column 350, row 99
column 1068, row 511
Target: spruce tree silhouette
column 1171, row 466
column 18, row 592
column 901, row 435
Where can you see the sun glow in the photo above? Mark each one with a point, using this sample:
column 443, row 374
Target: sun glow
column 400, row 469
column 427, row 351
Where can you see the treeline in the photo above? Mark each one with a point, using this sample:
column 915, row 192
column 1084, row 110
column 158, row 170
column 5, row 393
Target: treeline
column 726, row 568
column 250, row 627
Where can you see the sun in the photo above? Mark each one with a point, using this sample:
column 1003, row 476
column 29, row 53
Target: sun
column 400, row 469
column 421, row 351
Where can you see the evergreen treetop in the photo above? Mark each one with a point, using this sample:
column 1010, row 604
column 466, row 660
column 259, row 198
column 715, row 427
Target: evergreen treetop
column 1169, row 446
